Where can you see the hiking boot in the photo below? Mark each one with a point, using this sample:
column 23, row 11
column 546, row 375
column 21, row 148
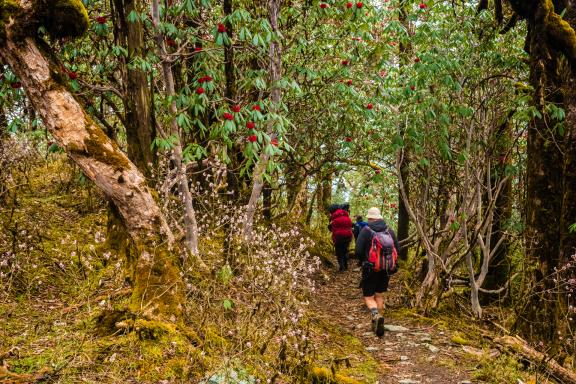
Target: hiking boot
column 374, row 322
column 379, row 326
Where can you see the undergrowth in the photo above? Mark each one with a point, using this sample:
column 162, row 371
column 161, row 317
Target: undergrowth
column 246, row 316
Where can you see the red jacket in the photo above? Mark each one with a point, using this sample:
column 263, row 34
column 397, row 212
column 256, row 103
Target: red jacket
column 340, row 225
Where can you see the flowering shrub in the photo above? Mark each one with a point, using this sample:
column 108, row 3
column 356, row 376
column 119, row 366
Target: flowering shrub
column 253, row 305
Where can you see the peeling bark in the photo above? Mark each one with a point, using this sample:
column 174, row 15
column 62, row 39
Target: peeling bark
column 157, row 286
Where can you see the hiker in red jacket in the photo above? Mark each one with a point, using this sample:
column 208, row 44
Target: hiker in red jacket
column 341, row 227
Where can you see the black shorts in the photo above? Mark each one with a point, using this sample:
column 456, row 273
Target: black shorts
column 374, row 282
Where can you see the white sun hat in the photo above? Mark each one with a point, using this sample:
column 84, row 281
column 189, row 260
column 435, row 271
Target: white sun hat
column 374, row 214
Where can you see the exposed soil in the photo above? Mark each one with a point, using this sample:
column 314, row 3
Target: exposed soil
column 420, row 353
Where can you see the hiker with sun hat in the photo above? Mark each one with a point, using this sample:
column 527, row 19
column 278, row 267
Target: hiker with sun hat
column 376, row 249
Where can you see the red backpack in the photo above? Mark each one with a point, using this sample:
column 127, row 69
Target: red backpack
column 383, row 255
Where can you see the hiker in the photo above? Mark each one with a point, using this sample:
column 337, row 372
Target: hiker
column 376, row 239
column 341, row 228
column 358, row 225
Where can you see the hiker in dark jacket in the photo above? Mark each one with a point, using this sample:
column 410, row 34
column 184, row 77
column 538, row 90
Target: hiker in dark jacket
column 373, row 284
column 341, row 227
column 358, row 225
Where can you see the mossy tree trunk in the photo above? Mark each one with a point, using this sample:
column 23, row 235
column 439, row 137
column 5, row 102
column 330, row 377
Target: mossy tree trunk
column 138, row 98
column 157, row 291
column 551, row 179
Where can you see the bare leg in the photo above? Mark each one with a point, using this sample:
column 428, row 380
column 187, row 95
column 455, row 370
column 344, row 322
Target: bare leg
column 370, row 302
column 379, row 300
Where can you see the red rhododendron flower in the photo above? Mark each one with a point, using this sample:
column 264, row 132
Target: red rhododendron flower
column 369, row 106
column 412, row 87
column 16, row 85
column 323, row 5
column 348, row 139
column 423, row 6
column 349, row 82
column 252, row 138
column 256, row 107
column 101, row 20
column 345, row 62
column 274, row 142
column 228, row 116
column 236, row 108
column 250, row 125
column 198, row 49
column 359, row 4
column 72, row 75
column 349, row 5
column 221, row 28
column 199, row 90
column 417, row 60
column 378, row 171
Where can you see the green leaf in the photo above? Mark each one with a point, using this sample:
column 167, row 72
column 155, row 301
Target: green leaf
column 227, row 304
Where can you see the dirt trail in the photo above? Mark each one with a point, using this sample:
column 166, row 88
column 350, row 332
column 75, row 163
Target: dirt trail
column 413, row 352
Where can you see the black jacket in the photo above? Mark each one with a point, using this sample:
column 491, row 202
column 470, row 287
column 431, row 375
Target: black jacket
column 364, row 240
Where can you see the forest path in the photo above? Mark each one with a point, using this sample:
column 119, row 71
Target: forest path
column 413, row 350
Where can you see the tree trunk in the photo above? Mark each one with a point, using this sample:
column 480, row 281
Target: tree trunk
column 229, row 68
column 275, row 70
column 139, row 121
column 551, row 179
column 157, row 285
column 3, row 148
column 267, row 202
column 327, row 191
column 403, row 217
column 190, row 223
column 499, row 268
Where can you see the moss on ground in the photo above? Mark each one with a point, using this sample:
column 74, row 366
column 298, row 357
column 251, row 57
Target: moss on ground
column 343, row 355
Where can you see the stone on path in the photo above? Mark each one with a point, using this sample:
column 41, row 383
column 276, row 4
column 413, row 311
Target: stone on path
column 408, row 381
column 371, row 349
column 395, row 328
column 432, row 348
column 403, row 358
